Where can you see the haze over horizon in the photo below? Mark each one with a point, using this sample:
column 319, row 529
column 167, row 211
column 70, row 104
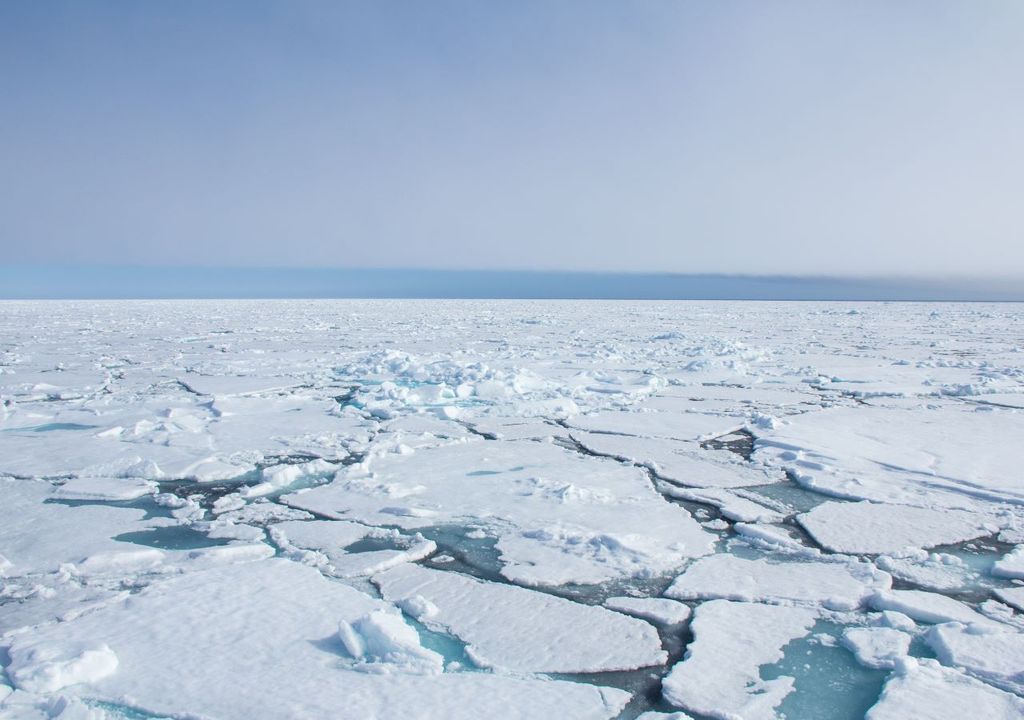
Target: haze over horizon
column 787, row 138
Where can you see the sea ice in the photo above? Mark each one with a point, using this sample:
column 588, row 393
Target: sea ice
column 1011, row 565
column 561, row 446
column 835, row 585
column 877, row 647
column 945, row 457
column 686, row 463
column 993, row 653
column 323, row 542
column 522, row 630
column 658, row 610
column 924, row 689
column 218, row 630
column 45, row 667
column 1012, row 596
column 559, row 517
column 728, row 503
column 99, row 488
column 866, row 527
column 686, row 426
column 927, row 607
column 382, row 639
column 34, row 534
column 731, row 640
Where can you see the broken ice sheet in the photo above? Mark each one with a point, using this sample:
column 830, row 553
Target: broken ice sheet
column 218, row 628
column 867, row 527
column 482, row 425
column 834, row 585
column 523, row 630
column 559, row 517
column 330, row 545
column 949, row 457
column 731, row 641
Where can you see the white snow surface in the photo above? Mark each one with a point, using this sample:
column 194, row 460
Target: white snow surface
column 1011, row 565
column 322, row 543
column 686, row 463
column 991, row 653
column 866, row 527
column 837, row 585
column 877, row 647
column 580, row 456
column 911, row 456
column 522, row 629
column 1012, row 596
column 221, row 631
column 658, row 610
column 926, row 690
column 559, row 516
column 928, row 607
column 719, row 676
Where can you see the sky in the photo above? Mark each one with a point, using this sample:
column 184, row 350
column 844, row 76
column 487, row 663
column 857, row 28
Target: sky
column 869, row 138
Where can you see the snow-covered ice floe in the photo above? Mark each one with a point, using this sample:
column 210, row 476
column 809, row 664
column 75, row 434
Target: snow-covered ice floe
column 384, row 509
column 719, row 676
column 522, row 629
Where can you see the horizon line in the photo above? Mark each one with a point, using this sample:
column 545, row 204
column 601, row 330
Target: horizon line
column 23, row 281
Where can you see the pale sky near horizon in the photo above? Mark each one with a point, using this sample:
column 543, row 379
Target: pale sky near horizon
column 759, row 136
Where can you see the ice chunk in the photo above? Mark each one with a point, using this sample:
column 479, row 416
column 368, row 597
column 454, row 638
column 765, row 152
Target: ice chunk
column 927, row 607
column 994, row 654
column 1012, row 596
column 322, row 543
column 329, row 537
column 100, row 488
column 121, row 561
column 719, row 676
column 375, row 561
column 382, row 637
column 34, row 535
column 942, row 456
column 44, row 666
column 839, row 586
column 1011, row 565
column 926, row 690
column 278, row 477
column 658, row 610
column 938, row 571
column 898, row 621
column 877, row 647
column 867, row 527
column 773, row 538
column 682, row 462
column 728, row 503
column 689, row 426
column 522, row 629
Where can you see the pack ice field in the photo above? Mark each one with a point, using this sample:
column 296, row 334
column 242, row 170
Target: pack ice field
column 511, row 509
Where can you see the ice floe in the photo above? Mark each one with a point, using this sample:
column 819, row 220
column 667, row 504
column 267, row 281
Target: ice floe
column 658, row 610
column 836, row 585
column 536, row 489
column 719, row 676
column 877, row 647
column 867, row 527
column 992, row 653
column 558, row 516
column 523, row 629
column 924, row 689
column 218, row 630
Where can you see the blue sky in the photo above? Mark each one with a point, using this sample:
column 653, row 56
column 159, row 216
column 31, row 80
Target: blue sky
column 784, row 137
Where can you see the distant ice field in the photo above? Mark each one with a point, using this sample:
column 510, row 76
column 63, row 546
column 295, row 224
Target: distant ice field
column 511, row 509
